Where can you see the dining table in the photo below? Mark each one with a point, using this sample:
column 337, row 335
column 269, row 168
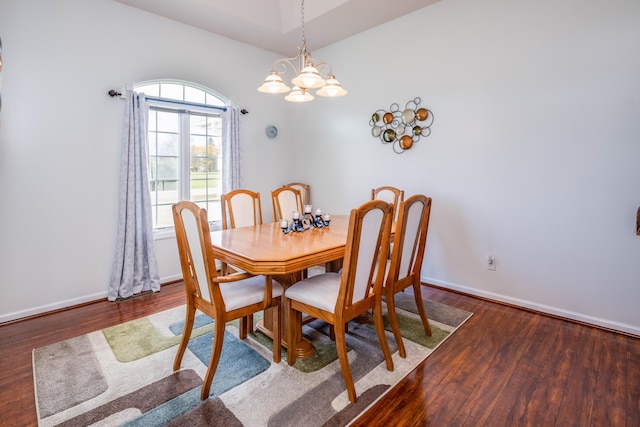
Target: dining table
column 265, row 249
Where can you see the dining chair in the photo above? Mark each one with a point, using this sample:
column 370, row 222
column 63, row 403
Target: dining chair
column 337, row 298
column 240, row 208
column 390, row 195
column 405, row 265
column 305, row 191
column 223, row 298
column 284, row 201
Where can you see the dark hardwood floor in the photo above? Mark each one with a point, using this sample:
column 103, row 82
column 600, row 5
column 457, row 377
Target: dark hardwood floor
column 504, row 367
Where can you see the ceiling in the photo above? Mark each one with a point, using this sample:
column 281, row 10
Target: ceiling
column 276, row 25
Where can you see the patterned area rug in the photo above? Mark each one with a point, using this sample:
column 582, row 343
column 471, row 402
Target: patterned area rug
column 123, row 375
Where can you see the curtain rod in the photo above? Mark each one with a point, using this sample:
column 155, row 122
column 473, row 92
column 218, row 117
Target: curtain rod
column 112, row 93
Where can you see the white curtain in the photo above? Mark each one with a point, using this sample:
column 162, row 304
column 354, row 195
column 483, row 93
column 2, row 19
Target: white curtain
column 135, row 267
column 231, row 153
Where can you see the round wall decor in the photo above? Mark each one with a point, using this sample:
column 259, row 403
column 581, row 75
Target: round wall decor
column 271, row 131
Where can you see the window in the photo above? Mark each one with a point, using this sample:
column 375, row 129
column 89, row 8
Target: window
column 185, row 149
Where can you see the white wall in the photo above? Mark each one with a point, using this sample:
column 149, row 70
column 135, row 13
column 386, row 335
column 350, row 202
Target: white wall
column 533, row 155
column 534, row 151
column 60, row 136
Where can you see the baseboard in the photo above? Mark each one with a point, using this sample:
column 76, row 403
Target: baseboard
column 60, row 305
column 611, row 325
column 36, row 311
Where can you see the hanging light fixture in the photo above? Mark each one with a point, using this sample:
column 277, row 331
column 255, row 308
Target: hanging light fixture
column 311, row 73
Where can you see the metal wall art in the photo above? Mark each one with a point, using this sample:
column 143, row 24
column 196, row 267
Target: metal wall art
column 402, row 128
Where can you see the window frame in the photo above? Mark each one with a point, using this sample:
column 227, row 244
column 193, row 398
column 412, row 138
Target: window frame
column 186, row 110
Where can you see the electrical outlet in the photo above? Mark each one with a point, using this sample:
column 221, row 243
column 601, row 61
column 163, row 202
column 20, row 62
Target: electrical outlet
column 491, row 262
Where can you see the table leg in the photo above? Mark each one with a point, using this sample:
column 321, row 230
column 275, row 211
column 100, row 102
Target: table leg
column 303, row 347
column 333, row 266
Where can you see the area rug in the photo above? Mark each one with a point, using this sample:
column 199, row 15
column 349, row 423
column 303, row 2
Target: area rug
column 123, row 375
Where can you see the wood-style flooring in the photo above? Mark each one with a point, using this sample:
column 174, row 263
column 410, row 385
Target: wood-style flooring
column 504, row 367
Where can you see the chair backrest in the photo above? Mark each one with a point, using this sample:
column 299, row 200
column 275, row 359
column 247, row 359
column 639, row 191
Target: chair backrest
column 366, row 252
column 285, row 200
column 196, row 253
column 409, row 240
column 240, row 208
column 390, row 195
column 305, row 191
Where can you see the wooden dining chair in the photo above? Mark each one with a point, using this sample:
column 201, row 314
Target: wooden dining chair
column 390, row 195
column 305, row 191
column 284, row 201
column 403, row 270
column 223, row 298
column 338, row 298
column 240, row 208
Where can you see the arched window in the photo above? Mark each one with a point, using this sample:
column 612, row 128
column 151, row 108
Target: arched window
column 185, row 148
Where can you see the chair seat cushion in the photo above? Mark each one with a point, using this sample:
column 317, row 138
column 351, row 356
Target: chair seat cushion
column 246, row 292
column 319, row 291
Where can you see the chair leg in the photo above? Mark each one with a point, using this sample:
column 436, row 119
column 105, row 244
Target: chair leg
column 377, row 318
column 277, row 333
column 186, row 334
column 332, row 331
column 218, row 339
column 341, row 347
column 423, row 314
column 393, row 321
column 295, row 322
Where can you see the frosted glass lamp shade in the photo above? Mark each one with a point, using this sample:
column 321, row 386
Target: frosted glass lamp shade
column 273, row 84
column 299, row 95
column 308, row 78
column 333, row 88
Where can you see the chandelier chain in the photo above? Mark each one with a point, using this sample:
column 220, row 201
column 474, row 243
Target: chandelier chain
column 304, row 36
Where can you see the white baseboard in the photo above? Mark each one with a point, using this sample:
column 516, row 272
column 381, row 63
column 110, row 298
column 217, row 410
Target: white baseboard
column 67, row 303
column 51, row 307
column 173, row 278
column 580, row 317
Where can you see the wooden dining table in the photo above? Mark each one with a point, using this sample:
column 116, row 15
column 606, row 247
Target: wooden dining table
column 264, row 249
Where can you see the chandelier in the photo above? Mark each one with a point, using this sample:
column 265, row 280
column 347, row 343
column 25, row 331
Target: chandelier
column 311, row 73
